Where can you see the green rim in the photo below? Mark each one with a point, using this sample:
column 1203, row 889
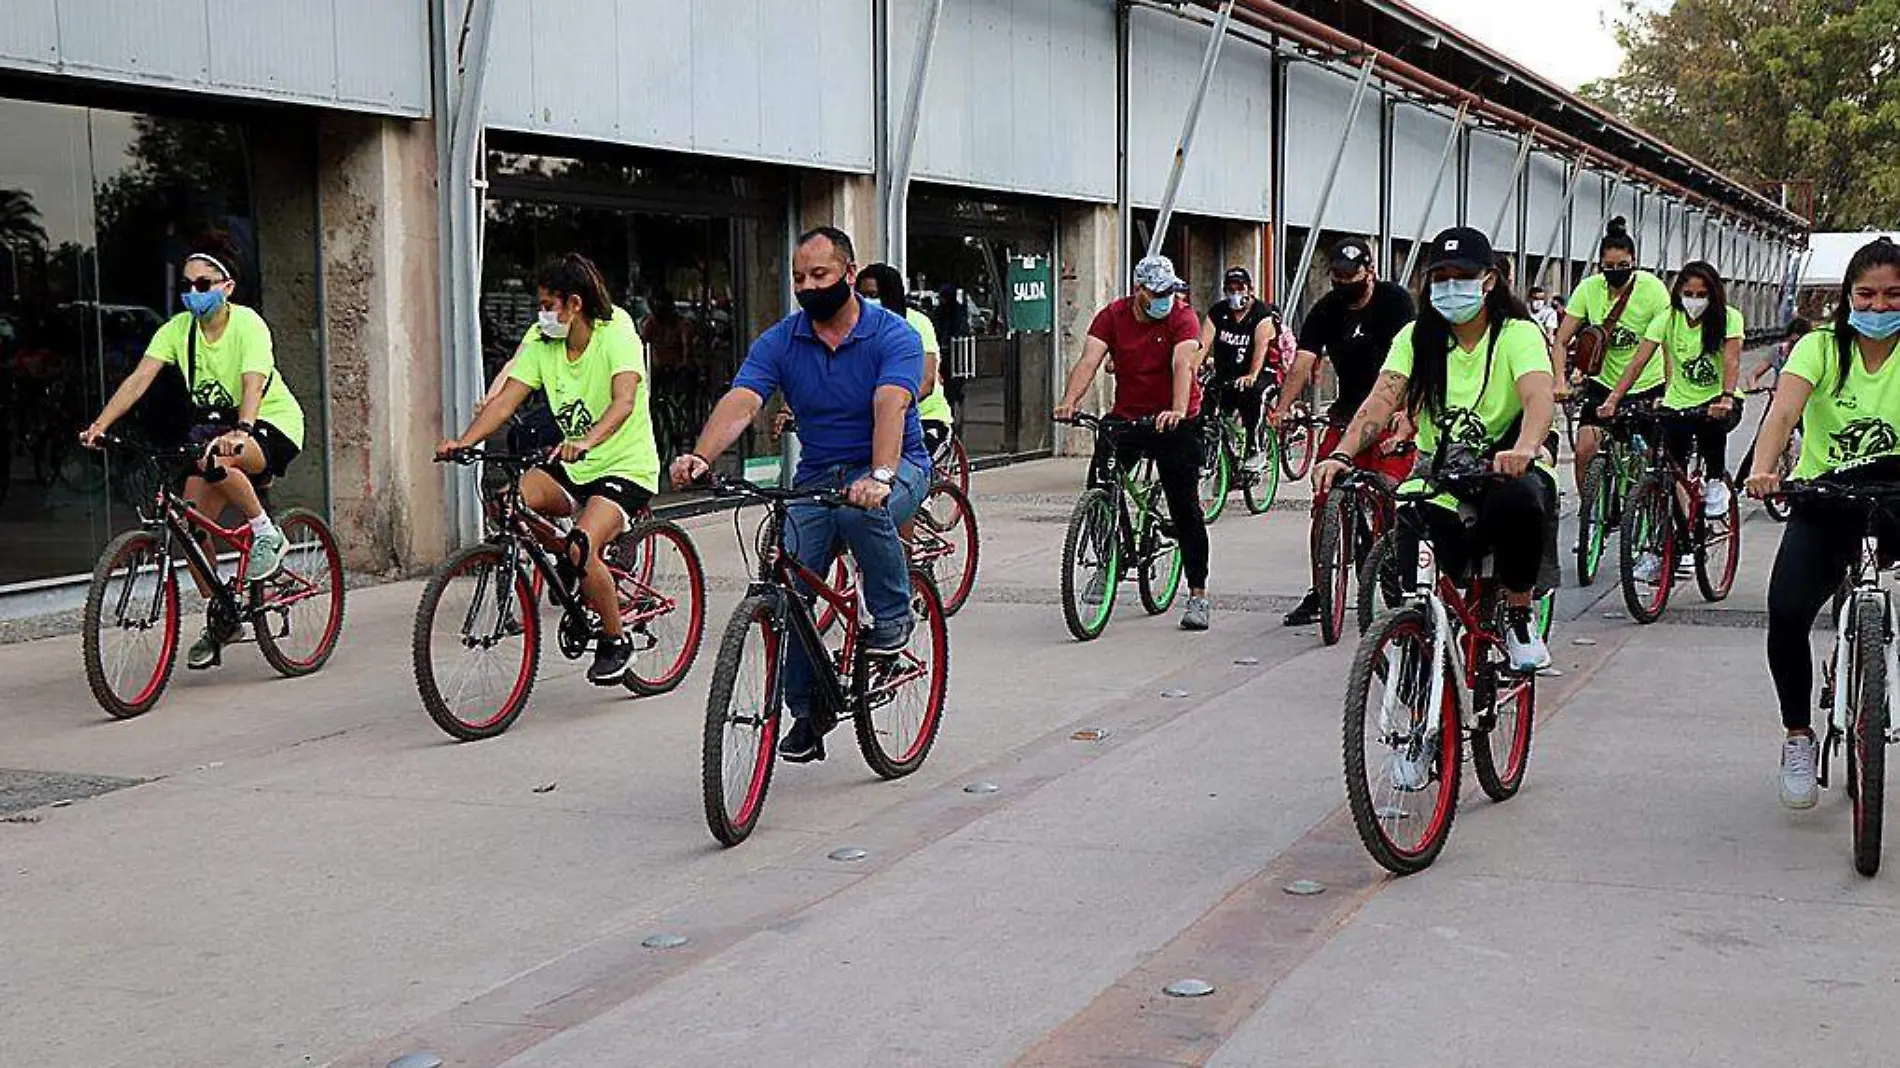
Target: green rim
column 1266, row 485
column 1546, row 613
column 1111, row 568
column 1599, row 527
column 1213, row 505
column 1165, row 591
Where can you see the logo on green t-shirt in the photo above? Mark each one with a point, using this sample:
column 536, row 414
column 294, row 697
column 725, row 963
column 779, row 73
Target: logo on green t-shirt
column 1700, row 370
column 211, row 393
column 1463, row 426
column 1864, row 439
column 574, row 418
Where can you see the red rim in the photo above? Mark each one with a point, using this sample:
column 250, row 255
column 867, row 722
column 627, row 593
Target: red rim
column 768, row 735
column 663, row 603
column 933, row 707
column 147, row 547
column 1342, row 554
column 530, row 635
column 333, row 565
column 960, row 539
column 1511, row 768
column 1726, row 581
column 1449, row 741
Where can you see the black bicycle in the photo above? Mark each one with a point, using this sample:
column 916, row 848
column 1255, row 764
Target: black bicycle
column 477, row 638
column 1117, row 529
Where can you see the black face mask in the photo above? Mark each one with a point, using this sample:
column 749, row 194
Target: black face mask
column 824, row 304
column 1618, row 277
column 1352, row 290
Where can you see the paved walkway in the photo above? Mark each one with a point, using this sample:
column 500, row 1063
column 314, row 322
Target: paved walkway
column 307, row 872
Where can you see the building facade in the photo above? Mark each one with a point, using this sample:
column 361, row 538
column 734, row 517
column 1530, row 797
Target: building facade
column 682, row 144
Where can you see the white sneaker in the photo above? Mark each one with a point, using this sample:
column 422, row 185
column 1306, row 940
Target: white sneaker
column 1254, row 464
column 1798, row 788
column 1410, row 774
column 1525, row 648
column 1715, row 499
column 1649, row 569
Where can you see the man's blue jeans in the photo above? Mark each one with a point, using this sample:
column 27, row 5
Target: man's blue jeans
column 815, row 532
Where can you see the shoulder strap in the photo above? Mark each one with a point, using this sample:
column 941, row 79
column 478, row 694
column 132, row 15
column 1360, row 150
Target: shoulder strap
column 191, row 351
column 1616, row 313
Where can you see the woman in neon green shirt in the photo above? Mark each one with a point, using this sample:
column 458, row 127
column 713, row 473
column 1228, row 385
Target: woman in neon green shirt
column 251, row 424
column 585, row 353
column 1701, row 337
column 1842, row 384
column 1473, row 373
column 882, row 282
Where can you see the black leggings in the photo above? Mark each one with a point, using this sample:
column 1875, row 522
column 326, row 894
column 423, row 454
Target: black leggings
column 1510, row 525
column 1246, row 403
column 1709, row 436
column 1177, row 457
column 1817, row 545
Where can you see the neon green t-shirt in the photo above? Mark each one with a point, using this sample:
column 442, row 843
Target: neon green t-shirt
column 579, row 392
column 934, row 408
column 1861, row 424
column 1479, row 409
column 218, row 368
column 1648, row 300
column 1695, row 377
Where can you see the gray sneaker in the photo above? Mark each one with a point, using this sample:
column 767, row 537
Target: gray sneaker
column 1097, row 590
column 1199, row 612
column 267, row 555
column 1798, row 788
column 208, row 650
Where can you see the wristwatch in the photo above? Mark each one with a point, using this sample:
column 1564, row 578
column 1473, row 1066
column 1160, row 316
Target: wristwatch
column 883, row 475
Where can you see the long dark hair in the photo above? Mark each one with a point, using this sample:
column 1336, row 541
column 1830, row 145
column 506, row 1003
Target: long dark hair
column 1432, row 340
column 574, row 275
column 1715, row 319
column 890, row 287
column 1880, row 252
column 1617, row 236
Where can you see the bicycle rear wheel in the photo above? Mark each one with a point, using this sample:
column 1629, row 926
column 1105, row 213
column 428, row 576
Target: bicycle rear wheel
column 1379, row 580
column 1297, row 444
column 944, row 544
column 306, row 598
column 477, row 643
column 1262, row 485
column 1332, row 564
column 1867, row 734
column 130, row 626
column 1158, row 578
column 1649, row 530
column 742, row 718
column 661, row 587
column 1720, row 549
column 955, row 469
column 903, row 696
column 1091, row 565
column 1501, row 751
column 1401, row 754
column 1595, row 504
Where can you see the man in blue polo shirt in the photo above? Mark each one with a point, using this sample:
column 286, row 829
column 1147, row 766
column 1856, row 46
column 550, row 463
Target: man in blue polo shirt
column 852, row 371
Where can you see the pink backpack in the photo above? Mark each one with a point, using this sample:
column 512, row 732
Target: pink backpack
column 1285, row 345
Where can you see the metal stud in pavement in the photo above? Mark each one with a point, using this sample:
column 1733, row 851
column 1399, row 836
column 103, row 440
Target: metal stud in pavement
column 1305, row 887
column 1583, row 641
column 981, row 788
column 1188, row 988
column 1247, row 661
column 418, row 1059
column 847, row 854
column 663, row 941
column 1174, row 693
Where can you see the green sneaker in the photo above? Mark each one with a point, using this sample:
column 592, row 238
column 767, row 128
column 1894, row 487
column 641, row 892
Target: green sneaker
column 208, row 650
column 267, row 555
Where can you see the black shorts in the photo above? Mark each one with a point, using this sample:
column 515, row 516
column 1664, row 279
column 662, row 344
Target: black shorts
column 1592, row 393
column 278, row 450
column 625, row 492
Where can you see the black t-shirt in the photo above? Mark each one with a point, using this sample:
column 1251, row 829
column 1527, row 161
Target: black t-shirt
column 1356, row 340
column 1233, row 338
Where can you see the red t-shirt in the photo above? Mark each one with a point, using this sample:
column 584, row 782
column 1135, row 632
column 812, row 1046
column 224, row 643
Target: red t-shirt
column 1143, row 351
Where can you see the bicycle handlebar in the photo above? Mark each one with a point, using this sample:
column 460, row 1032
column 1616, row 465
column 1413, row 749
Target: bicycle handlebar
column 1109, row 424
column 155, row 452
column 471, row 454
column 728, row 486
column 1860, row 493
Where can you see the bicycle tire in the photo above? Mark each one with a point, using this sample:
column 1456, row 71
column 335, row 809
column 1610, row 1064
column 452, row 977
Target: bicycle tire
column 639, row 679
column 1094, row 513
column 731, row 824
column 1715, row 584
column 129, row 552
column 1159, row 585
column 930, row 637
column 1593, row 517
column 1649, row 524
column 1366, row 816
column 1868, row 735
column 957, row 471
column 1297, row 444
column 953, row 519
column 1216, row 483
column 1262, row 487
column 428, row 685
column 272, row 644
column 1379, row 580
column 1332, row 565
column 1500, row 780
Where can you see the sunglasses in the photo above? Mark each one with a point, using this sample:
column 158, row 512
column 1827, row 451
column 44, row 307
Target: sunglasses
column 203, row 285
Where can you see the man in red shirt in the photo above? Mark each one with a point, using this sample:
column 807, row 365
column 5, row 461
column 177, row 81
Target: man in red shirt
column 1155, row 341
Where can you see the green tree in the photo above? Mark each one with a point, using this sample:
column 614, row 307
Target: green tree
column 1768, row 90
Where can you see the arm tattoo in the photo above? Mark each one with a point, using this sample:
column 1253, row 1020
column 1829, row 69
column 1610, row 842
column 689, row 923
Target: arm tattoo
column 1387, row 394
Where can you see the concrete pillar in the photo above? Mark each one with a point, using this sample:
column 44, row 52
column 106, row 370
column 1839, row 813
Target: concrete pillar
column 846, row 201
column 284, row 198
column 1205, row 248
column 377, row 191
column 1087, row 279
column 1247, row 247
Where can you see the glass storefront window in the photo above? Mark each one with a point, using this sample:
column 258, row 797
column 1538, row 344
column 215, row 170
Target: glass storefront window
column 96, row 210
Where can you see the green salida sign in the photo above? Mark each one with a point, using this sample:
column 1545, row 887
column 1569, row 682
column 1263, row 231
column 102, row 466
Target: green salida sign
column 1031, row 293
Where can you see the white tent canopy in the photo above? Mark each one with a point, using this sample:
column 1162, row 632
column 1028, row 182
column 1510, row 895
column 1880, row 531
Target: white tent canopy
column 1828, row 255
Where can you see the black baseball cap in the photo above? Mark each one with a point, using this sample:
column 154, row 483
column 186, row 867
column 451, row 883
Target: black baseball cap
column 1461, row 247
column 1237, row 274
column 1352, row 254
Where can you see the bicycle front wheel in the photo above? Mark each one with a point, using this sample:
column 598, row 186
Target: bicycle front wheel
column 955, row 469
column 1649, row 547
column 1501, row 747
column 1720, row 549
column 742, row 719
column 1401, row 754
column 130, row 627
column 1159, row 562
column 1379, row 580
column 944, row 544
column 1091, row 565
column 1867, row 734
column 299, row 614
column 1596, row 501
column 1332, row 564
column 661, row 587
column 477, row 643
column 903, row 696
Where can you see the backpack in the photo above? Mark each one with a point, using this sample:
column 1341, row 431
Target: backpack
column 1285, row 345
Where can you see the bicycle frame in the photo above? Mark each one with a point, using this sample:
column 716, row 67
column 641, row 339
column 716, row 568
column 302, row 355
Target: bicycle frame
column 1445, row 604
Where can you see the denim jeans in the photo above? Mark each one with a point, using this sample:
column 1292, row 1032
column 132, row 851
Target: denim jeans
column 815, row 532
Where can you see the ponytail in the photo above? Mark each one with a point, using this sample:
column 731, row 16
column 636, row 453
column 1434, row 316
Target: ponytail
column 574, row 275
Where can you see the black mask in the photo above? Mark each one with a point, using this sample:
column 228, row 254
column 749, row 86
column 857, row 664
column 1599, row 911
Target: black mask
column 1618, row 277
column 1352, row 290
column 824, row 304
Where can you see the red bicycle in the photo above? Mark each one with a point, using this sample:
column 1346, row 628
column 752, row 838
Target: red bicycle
column 131, row 622
column 941, row 544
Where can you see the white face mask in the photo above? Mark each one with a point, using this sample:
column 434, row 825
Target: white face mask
column 1695, row 306
column 1236, row 301
column 1538, row 306
column 552, row 327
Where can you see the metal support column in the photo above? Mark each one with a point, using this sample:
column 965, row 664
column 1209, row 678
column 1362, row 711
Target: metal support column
column 1274, row 268
column 463, row 68
column 1124, row 209
column 1510, row 193
column 1557, row 231
column 1186, row 142
column 896, row 191
column 1664, row 262
column 1431, row 198
column 1298, row 278
column 1388, row 125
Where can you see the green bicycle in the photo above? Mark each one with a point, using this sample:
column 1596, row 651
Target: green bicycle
column 1117, row 529
column 1225, row 466
column 1607, row 481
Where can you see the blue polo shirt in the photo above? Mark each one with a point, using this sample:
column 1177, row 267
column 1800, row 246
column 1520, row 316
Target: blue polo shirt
column 833, row 391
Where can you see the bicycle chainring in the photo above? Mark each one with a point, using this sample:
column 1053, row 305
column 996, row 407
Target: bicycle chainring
column 576, row 634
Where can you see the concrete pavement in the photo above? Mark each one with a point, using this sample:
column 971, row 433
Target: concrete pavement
column 309, row 873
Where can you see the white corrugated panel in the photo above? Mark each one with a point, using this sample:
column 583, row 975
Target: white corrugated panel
column 1229, row 171
column 1021, row 95
column 1625, row 206
column 1317, row 101
column 1493, row 158
column 382, row 55
column 1588, row 218
column 29, row 35
column 1549, row 178
column 1649, row 236
column 1418, row 143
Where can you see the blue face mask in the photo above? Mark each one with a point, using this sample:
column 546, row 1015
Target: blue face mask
column 1459, row 299
column 1159, row 307
column 203, row 304
column 1877, row 325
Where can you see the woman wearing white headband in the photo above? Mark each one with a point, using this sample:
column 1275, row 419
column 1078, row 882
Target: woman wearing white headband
column 242, row 411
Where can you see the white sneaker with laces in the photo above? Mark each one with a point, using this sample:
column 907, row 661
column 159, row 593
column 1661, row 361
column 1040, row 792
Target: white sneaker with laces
column 1715, row 499
column 1798, row 788
column 1648, row 569
column 1525, row 648
column 1411, row 774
